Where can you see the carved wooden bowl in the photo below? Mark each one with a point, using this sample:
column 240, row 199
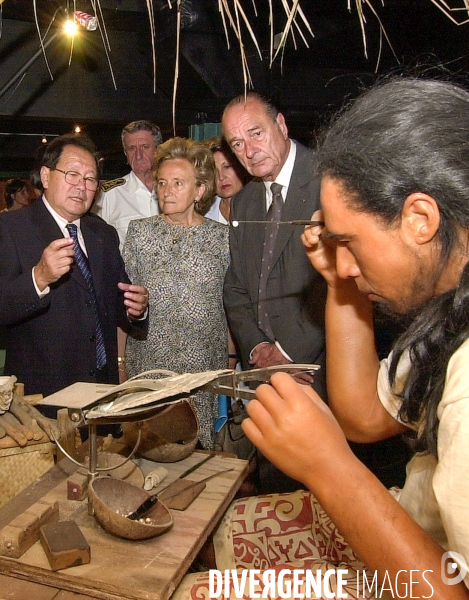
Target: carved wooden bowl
column 170, row 436
column 112, row 499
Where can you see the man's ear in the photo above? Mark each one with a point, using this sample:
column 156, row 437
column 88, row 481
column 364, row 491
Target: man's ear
column 45, row 174
column 420, row 217
column 282, row 124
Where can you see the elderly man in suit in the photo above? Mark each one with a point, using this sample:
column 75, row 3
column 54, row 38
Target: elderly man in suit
column 277, row 313
column 274, row 298
column 63, row 286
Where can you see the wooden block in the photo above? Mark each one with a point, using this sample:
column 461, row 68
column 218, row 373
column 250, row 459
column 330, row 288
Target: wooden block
column 21, row 533
column 67, row 434
column 65, row 545
column 77, row 486
column 44, row 511
column 19, row 389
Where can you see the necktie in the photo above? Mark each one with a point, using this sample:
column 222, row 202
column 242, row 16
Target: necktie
column 274, row 214
column 84, row 266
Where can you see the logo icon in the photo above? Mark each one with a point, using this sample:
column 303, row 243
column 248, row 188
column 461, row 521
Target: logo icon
column 453, row 568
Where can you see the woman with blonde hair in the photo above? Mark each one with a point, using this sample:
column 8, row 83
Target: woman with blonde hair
column 182, row 257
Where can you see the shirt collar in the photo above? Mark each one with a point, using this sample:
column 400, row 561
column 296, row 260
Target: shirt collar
column 136, row 183
column 283, row 178
column 61, row 222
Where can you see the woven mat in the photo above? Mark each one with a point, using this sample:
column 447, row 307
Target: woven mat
column 19, row 467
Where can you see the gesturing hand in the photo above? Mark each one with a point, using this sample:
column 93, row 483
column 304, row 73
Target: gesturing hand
column 55, row 261
column 135, row 299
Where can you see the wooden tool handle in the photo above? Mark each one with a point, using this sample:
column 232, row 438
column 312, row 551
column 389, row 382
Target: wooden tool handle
column 43, row 422
column 14, row 429
column 33, row 431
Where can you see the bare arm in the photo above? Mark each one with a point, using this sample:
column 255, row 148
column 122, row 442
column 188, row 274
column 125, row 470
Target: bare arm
column 374, row 524
column 351, row 358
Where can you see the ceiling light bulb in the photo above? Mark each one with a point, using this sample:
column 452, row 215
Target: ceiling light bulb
column 77, row 129
column 70, row 27
column 44, row 140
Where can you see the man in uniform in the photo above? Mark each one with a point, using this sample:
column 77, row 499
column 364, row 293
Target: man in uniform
column 132, row 197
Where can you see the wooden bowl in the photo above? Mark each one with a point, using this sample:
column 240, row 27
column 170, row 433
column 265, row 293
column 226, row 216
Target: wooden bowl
column 128, row 471
column 112, row 499
column 169, row 436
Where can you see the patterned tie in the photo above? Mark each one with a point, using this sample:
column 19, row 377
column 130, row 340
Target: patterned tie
column 274, row 214
column 84, row 266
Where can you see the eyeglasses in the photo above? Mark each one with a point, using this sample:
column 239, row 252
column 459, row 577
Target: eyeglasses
column 74, row 178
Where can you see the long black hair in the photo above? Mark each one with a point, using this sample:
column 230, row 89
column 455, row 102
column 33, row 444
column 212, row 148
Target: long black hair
column 404, row 136
column 11, row 187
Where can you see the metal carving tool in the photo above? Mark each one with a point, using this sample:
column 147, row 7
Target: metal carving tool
column 190, row 470
column 141, row 510
column 192, row 484
column 297, row 222
column 197, row 465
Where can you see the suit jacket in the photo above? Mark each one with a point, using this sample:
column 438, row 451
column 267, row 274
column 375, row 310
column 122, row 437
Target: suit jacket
column 296, row 292
column 50, row 341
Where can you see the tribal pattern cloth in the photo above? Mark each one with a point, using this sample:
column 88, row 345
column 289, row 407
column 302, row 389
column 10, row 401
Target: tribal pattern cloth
column 281, row 531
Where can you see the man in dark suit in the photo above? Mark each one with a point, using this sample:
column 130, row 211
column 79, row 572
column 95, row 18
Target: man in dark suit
column 61, row 318
column 294, row 296
column 274, row 298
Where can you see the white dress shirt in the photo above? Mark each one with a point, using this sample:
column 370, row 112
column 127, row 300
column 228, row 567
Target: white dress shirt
column 62, row 223
column 283, row 178
column 124, row 203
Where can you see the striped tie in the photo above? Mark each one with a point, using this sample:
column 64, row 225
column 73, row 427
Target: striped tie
column 84, row 266
column 271, row 229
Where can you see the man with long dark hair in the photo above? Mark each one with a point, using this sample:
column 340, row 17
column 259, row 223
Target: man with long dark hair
column 394, row 172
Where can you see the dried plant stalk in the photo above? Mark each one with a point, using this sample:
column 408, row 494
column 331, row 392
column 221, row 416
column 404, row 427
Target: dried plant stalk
column 237, row 19
column 448, row 11
column 291, row 13
column 176, row 67
column 152, row 33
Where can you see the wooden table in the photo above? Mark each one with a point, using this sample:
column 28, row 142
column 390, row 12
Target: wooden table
column 120, row 569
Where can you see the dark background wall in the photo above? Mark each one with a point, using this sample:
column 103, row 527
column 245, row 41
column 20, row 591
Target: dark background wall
column 308, row 83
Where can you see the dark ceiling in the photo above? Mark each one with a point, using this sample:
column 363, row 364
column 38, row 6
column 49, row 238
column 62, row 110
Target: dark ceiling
column 308, row 83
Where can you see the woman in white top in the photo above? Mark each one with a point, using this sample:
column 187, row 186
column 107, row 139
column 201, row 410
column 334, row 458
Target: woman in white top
column 230, row 179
